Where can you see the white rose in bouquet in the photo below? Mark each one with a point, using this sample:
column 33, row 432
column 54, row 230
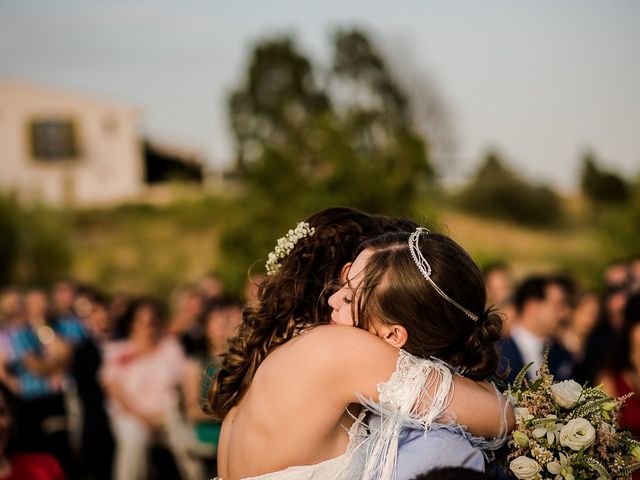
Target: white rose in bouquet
column 525, row 468
column 577, row 433
column 566, row 393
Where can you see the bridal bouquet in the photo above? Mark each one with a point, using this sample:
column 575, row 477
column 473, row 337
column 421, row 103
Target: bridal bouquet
column 566, row 431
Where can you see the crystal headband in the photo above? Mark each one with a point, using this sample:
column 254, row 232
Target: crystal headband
column 425, row 270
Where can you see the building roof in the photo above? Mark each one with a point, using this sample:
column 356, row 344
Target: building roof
column 9, row 86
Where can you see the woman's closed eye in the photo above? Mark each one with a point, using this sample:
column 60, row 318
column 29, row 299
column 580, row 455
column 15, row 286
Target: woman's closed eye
column 346, row 300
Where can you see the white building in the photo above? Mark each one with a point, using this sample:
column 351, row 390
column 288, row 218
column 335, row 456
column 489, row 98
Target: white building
column 63, row 148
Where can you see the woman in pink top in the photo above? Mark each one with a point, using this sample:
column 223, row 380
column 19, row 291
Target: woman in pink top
column 141, row 376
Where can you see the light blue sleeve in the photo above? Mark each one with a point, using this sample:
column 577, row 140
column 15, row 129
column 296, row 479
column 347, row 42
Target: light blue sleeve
column 419, row 452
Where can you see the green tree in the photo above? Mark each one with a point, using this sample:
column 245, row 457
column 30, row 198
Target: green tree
column 620, row 229
column 302, row 145
column 277, row 99
column 602, row 186
column 496, row 191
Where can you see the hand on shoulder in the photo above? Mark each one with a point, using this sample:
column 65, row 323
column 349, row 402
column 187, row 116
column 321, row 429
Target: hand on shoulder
column 481, row 408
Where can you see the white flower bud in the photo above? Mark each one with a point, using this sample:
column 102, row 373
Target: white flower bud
column 525, row 468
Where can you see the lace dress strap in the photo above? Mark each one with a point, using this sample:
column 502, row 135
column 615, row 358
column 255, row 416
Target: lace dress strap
column 418, row 393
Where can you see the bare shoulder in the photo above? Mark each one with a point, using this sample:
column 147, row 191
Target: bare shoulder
column 348, row 359
column 339, row 343
column 335, row 343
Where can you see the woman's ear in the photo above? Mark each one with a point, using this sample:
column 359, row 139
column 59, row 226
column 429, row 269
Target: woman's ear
column 344, row 272
column 396, row 335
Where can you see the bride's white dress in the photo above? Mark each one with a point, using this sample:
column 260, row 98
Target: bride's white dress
column 372, row 451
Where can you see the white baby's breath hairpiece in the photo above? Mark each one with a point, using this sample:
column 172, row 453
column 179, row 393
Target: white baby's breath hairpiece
column 285, row 244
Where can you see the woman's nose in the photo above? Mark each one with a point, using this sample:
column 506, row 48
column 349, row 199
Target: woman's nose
column 334, row 300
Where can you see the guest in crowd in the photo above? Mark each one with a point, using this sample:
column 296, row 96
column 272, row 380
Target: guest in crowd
column 23, row 465
column 622, row 375
column 11, row 317
column 576, row 332
column 67, row 321
column 499, row 283
column 96, row 446
column 211, row 286
column 141, row 376
column 187, row 308
column 616, row 274
column 634, row 272
column 220, row 320
column 601, row 342
column 542, row 303
column 119, row 309
column 42, row 356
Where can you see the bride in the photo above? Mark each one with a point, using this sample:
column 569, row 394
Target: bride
column 291, row 407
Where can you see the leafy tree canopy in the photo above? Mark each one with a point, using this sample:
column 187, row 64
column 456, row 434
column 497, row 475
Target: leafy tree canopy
column 309, row 137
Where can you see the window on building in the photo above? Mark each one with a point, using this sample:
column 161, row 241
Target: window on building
column 54, row 139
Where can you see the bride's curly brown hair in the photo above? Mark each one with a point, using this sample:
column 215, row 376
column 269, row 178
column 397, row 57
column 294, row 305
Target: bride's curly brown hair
column 294, row 297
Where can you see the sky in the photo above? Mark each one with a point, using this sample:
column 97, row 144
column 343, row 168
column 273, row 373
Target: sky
column 540, row 81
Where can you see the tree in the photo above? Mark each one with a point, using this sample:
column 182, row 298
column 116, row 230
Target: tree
column 620, row 229
column 601, row 186
column 302, row 145
column 496, row 191
column 277, row 98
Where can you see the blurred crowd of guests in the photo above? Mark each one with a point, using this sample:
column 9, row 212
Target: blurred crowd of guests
column 111, row 388
column 591, row 337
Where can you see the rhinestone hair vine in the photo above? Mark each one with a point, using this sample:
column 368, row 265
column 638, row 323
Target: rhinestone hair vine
column 425, row 270
column 285, row 244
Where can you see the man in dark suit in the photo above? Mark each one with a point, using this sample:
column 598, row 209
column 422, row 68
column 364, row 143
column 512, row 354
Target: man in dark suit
column 542, row 302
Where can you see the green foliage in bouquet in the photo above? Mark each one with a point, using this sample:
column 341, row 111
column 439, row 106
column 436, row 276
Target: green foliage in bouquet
column 566, row 431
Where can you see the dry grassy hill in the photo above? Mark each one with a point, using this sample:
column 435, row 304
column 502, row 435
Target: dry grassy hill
column 150, row 249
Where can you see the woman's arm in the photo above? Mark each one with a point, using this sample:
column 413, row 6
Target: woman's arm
column 353, row 362
column 481, row 409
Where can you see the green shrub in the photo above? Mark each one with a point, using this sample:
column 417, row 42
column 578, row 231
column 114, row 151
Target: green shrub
column 34, row 243
column 497, row 192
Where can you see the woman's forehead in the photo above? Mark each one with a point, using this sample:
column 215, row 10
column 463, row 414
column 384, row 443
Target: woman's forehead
column 358, row 265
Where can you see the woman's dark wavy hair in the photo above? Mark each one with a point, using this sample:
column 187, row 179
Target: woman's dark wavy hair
column 394, row 291
column 295, row 296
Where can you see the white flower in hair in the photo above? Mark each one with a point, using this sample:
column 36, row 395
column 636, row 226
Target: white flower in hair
column 285, row 244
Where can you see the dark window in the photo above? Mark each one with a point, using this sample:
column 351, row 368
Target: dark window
column 54, row 139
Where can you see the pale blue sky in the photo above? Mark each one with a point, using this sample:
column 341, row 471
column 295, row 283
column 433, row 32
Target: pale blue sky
column 541, row 80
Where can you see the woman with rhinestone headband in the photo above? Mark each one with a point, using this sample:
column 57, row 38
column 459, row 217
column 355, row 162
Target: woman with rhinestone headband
column 291, row 411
